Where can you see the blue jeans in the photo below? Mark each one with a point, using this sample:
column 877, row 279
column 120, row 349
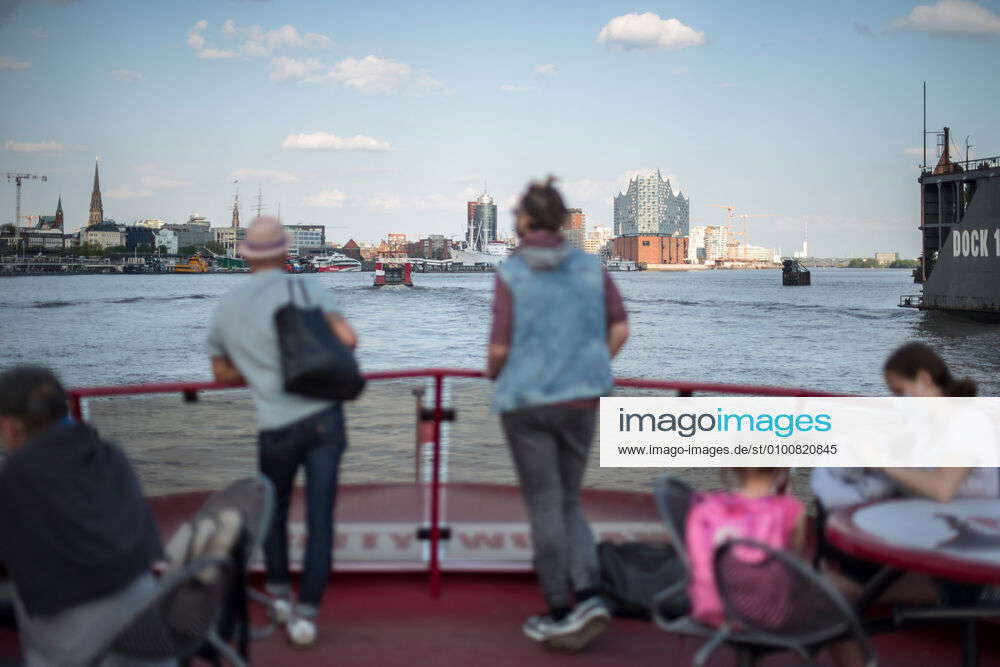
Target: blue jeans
column 316, row 442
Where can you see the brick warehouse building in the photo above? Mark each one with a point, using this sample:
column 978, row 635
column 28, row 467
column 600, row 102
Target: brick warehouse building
column 652, row 249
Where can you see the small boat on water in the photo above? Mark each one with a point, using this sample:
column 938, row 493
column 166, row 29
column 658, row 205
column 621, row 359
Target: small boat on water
column 195, row 264
column 618, row 264
column 335, row 263
column 393, row 273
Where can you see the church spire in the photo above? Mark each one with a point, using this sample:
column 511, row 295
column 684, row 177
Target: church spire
column 96, row 207
column 59, row 214
column 236, row 205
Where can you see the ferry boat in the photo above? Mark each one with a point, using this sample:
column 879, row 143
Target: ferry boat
column 618, row 264
column 438, row 571
column 195, row 264
column 335, row 263
column 388, row 272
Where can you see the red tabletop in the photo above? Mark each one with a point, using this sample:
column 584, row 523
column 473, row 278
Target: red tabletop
column 957, row 540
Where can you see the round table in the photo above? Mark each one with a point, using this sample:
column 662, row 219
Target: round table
column 957, row 540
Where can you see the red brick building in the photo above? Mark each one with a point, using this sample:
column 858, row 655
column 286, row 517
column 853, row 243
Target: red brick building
column 652, row 249
column 352, row 249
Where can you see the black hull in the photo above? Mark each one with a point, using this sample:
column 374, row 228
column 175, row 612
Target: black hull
column 961, row 242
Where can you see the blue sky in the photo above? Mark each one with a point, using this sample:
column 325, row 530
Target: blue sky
column 383, row 117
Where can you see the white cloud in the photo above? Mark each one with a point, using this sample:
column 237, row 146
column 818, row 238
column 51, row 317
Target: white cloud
column 126, row 75
column 727, row 84
column 358, row 142
column 648, row 32
column 328, row 199
column 432, row 202
column 952, row 18
column 151, row 179
column 265, row 176
column 284, row 69
column 547, row 70
column 511, row 88
column 10, row 63
column 372, row 74
column 196, row 37
column 257, row 42
column 914, row 152
column 215, row 54
column 602, row 190
column 49, row 146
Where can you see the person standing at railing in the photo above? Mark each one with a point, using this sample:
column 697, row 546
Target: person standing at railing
column 76, row 535
column 558, row 320
column 295, row 431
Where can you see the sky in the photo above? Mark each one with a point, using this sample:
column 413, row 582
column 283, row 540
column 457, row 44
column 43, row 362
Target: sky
column 381, row 117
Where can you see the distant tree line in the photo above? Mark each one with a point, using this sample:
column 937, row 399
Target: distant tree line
column 871, row 263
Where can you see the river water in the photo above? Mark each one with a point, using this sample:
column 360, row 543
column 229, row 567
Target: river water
column 720, row 326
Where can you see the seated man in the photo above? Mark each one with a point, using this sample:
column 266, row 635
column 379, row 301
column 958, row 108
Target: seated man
column 76, row 535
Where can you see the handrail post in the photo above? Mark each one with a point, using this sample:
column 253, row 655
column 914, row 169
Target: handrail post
column 75, row 407
column 435, row 566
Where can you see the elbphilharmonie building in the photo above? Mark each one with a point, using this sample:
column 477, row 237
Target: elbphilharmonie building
column 649, row 207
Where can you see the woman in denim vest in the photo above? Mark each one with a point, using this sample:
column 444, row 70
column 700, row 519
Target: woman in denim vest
column 558, row 320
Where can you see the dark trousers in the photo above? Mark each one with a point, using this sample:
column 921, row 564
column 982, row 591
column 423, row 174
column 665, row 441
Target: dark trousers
column 317, row 443
column 550, row 445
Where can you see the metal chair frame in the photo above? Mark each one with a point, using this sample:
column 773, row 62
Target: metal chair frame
column 808, row 644
column 255, row 534
column 114, row 629
column 669, row 492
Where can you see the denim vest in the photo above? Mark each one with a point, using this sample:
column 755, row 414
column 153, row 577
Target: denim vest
column 559, row 349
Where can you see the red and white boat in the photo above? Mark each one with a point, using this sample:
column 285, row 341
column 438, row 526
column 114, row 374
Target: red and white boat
column 336, row 262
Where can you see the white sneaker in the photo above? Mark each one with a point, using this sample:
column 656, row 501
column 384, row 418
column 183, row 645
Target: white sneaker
column 301, row 632
column 573, row 633
column 281, row 611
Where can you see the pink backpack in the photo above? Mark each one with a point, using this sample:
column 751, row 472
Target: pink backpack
column 720, row 516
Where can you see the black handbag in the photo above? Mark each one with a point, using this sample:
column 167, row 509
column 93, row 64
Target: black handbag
column 632, row 573
column 314, row 362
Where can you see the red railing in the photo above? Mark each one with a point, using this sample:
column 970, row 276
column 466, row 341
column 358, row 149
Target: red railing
column 190, row 391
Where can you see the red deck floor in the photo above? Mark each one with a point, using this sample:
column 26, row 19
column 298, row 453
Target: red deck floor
column 391, row 620
column 373, row 618
column 370, row 619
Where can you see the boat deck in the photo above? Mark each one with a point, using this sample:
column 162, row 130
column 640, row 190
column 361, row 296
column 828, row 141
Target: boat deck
column 377, row 613
column 378, row 619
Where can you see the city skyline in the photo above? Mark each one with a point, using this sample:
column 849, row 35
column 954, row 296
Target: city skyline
column 809, row 114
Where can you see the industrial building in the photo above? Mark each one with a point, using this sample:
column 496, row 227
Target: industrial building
column 652, row 249
column 574, row 227
column 307, row 236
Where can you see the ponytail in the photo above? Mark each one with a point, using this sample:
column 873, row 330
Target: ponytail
column 961, row 388
column 544, row 205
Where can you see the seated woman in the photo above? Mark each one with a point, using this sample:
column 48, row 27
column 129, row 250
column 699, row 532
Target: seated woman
column 914, row 370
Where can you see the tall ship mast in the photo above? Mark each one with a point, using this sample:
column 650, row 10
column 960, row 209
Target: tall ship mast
column 960, row 236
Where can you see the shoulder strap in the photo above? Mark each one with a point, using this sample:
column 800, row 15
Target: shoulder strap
column 291, row 291
column 305, row 294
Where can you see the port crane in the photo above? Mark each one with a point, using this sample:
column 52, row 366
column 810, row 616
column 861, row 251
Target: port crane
column 18, row 179
column 731, row 215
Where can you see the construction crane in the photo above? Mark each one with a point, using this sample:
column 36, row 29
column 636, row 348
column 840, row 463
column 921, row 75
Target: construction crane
column 731, row 215
column 18, row 179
